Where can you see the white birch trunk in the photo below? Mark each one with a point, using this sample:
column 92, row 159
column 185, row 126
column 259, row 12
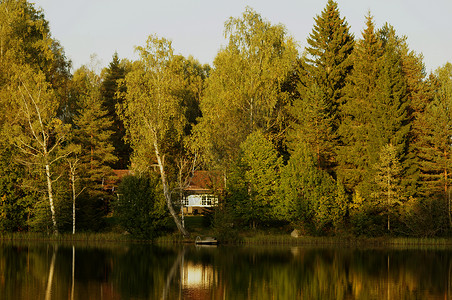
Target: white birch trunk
column 73, row 202
column 166, row 192
column 50, row 193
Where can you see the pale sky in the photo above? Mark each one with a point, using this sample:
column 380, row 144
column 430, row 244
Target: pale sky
column 196, row 27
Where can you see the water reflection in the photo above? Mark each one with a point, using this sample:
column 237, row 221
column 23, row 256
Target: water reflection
column 50, row 271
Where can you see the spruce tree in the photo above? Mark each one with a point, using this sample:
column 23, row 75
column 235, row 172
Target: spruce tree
column 92, row 132
column 328, row 63
column 111, row 99
column 435, row 136
column 359, row 92
column 323, row 71
column 313, row 125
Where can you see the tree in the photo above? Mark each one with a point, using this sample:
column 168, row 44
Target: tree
column 328, row 63
column 243, row 91
column 261, row 169
column 359, row 92
column 37, row 131
column 152, row 111
column 322, row 73
column 308, row 192
column 313, row 125
column 110, row 97
column 435, row 136
column 139, row 208
column 92, row 133
column 27, row 49
column 388, row 178
column 375, row 111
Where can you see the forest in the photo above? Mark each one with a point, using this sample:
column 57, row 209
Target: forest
column 347, row 136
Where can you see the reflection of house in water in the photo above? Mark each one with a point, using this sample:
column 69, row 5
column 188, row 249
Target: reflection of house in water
column 198, row 281
column 200, row 194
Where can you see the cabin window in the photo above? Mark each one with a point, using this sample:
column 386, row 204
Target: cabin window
column 208, row 200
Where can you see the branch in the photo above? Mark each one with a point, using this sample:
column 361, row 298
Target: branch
column 60, row 157
column 27, row 151
column 38, row 112
column 28, row 115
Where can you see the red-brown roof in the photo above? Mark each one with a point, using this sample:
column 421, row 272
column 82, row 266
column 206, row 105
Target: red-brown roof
column 122, row 173
column 205, row 181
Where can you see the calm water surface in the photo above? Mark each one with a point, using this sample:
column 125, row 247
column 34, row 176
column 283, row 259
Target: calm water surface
column 131, row 271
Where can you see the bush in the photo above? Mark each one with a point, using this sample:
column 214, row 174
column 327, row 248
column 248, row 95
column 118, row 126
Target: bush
column 224, row 228
column 139, row 209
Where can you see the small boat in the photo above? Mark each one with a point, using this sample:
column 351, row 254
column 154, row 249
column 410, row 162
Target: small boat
column 206, row 241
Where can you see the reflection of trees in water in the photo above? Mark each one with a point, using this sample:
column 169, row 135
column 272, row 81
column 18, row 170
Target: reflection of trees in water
column 332, row 274
column 151, row 272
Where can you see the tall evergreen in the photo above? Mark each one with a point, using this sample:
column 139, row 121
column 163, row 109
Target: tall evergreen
column 324, row 68
column 353, row 154
column 389, row 120
column 92, row 132
column 109, row 90
column 376, row 111
column 434, row 141
column 328, row 63
column 313, row 125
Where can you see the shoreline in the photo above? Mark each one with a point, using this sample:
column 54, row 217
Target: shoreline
column 249, row 240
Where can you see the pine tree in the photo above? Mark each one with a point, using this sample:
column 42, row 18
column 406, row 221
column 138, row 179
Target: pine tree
column 389, row 119
column 376, row 109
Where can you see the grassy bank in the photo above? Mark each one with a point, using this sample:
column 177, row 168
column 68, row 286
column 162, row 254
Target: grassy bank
column 65, row 237
column 254, row 238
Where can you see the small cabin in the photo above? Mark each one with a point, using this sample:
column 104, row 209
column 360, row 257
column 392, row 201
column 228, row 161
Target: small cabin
column 200, row 196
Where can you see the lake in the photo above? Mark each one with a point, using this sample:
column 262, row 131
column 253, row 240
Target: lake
column 138, row 271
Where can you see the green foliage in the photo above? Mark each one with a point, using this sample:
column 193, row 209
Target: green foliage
column 243, row 92
column 262, row 177
column 110, row 93
column 353, row 153
column 388, row 179
column 436, row 132
column 139, row 208
column 328, row 61
column 15, row 202
column 366, row 137
column 152, row 110
column 254, row 180
column 311, row 199
column 224, row 224
column 313, row 123
column 93, row 135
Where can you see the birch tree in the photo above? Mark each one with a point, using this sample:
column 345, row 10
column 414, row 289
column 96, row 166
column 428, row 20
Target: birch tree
column 36, row 130
column 244, row 91
column 152, row 110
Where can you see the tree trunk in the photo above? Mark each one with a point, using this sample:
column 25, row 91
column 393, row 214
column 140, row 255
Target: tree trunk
column 73, row 201
column 50, row 192
column 166, row 192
